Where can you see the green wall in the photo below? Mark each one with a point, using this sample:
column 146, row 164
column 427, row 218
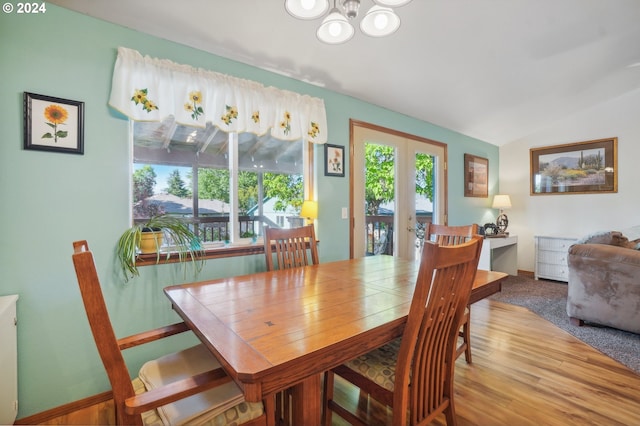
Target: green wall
column 51, row 199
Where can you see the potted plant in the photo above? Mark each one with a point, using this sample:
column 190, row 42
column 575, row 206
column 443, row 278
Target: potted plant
column 148, row 237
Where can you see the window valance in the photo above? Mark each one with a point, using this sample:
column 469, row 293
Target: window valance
column 150, row 89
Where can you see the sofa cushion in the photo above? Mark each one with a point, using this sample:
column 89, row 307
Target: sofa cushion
column 612, row 238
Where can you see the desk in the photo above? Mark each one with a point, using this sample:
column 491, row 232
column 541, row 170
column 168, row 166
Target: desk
column 273, row 330
column 500, row 254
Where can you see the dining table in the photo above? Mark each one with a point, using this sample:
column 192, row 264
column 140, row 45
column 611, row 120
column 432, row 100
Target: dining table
column 282, row 329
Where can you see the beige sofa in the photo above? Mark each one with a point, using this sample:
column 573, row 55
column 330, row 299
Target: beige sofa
column 604, row 281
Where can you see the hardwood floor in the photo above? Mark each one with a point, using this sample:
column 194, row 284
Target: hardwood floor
column 525, row 371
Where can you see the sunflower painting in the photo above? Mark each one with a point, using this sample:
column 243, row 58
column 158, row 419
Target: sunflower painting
column 53, row 124
column 334, row 160
column 55, row 115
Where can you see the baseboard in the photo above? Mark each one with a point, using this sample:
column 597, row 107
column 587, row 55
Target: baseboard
column 65, row 409
column 529, row 274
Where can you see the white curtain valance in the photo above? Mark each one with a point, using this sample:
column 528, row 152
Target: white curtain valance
column 150, row 89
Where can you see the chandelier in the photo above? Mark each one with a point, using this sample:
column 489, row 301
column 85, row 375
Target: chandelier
column 336, row 28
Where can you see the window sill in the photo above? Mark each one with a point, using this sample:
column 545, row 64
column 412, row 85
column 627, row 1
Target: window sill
column 211, row 253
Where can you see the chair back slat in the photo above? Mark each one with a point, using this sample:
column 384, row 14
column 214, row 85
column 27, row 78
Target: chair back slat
column 450, row 235
column 427, row 353
column 290, row 247
column 102, row 331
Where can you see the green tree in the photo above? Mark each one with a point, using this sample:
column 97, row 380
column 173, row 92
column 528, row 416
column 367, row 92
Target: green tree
column 144, row 180
column 247, row 191
column 424, row 175
column 380, row 176
column 177, row 186
column 287, row 189
column 213, row 184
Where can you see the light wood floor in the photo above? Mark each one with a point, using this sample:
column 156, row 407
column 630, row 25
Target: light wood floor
column 525, row 371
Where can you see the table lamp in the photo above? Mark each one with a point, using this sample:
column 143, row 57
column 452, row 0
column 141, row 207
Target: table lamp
column 309, row 210
column 501, row 202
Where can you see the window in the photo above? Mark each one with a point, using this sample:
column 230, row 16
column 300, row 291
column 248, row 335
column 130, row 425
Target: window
column 208, row 176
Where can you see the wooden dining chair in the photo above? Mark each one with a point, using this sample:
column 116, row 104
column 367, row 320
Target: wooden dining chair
column 448, row 236
column 414, row 374
column 184, row 387
column 292, row 247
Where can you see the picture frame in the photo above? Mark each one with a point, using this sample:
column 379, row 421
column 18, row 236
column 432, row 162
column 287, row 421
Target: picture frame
column 333, row 160
column 53, row 124
column 476, row 176
column 575, row 168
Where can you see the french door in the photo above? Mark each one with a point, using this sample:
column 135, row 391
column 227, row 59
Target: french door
column 399, row 185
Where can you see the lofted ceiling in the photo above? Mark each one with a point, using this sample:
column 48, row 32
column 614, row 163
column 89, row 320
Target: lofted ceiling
column 496, row 70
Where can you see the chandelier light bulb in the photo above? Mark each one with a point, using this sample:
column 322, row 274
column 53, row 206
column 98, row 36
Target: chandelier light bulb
column 307, row 4
column 391, row 3
column 379, row 22
column 306, row 9
column 335, row 29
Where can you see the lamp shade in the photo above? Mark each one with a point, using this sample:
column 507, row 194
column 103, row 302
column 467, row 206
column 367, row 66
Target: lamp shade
column 309, row 209
column 335, row 28
column 379, row 22
column 391, row 3
column 501, row 202
column 306, row 9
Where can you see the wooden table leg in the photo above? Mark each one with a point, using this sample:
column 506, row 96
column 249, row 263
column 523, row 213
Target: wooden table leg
column 307, row 402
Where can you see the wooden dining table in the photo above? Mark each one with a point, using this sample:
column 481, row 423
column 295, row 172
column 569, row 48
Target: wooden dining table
column 281, row 329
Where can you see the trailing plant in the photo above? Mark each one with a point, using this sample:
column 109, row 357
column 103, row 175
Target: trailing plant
column 183, row 242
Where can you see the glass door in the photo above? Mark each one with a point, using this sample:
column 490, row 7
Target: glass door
column 399, row 183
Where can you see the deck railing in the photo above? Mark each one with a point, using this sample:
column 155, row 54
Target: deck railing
column 380, row 231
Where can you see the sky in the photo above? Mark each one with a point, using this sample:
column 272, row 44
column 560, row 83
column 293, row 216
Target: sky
column 162, row 175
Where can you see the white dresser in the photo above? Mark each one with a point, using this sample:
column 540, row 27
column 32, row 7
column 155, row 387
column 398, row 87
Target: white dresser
column 8, row 360
column 551, row 256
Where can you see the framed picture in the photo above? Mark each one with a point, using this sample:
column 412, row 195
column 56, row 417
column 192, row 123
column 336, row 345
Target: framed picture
column 575, row 168
column 53, row 124
column 476, row 176
column 333, row 160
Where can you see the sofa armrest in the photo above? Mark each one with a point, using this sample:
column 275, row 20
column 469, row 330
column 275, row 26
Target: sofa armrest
column 613, row 238
column 603, row 253
column 604, row 285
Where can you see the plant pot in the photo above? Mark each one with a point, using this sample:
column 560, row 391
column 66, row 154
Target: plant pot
column 151, row 241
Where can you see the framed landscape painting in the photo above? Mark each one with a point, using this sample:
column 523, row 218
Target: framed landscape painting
column 476, row 176
column 575, row 168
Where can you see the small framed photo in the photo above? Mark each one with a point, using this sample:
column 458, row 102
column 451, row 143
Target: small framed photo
column 476, row 176
column 333, row 160
column 53, row 124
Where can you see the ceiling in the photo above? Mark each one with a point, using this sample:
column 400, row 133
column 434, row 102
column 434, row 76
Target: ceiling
column 496, row 70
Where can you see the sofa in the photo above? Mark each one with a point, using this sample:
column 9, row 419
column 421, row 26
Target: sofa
column 604, row 281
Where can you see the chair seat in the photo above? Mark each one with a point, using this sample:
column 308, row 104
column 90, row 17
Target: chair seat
column 228, row 401
column 379, row 365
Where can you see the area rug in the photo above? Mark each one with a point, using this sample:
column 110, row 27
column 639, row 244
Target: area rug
column 548, row 299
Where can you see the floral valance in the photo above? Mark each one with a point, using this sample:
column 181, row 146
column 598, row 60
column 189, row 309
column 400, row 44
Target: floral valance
column 150, row 89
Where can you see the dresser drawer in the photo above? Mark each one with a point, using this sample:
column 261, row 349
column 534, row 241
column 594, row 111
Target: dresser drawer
column 552, row 271
column 553, row 257
column 554, row 244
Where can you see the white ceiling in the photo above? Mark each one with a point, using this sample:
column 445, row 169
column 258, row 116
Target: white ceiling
column 496, row 70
